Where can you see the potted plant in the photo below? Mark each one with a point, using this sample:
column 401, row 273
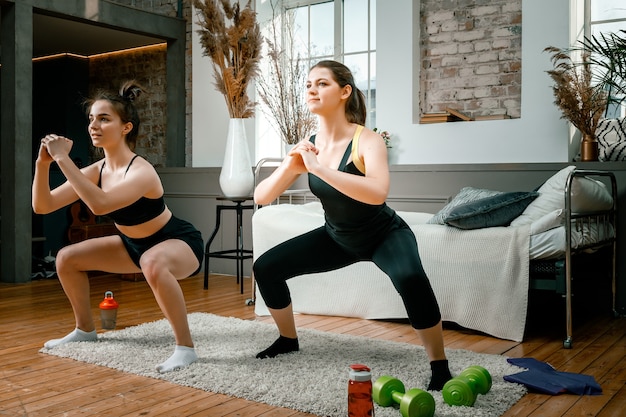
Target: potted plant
column 605, row 55
column 608, row 56
column 580, row 101
column 281, row 89
column 231, row 38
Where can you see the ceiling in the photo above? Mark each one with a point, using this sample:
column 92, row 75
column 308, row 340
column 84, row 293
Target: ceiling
column 54, row 35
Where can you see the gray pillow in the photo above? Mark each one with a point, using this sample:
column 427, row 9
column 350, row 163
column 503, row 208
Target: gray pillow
column 466, row 195
column 498, row 210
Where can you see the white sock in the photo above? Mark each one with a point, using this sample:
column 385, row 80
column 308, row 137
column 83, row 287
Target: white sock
column 76, row 336
column 183, row 356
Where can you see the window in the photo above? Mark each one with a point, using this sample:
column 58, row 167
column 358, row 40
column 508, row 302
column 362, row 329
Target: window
column 606, row 16
column 344, row 30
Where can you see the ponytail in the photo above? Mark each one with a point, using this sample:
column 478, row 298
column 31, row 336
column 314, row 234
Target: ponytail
column 356, row 109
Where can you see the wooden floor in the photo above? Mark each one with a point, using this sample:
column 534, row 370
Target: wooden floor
column 36, row 384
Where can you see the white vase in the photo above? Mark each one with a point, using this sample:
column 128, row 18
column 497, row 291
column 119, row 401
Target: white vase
column 288, row 147
column 236, row 176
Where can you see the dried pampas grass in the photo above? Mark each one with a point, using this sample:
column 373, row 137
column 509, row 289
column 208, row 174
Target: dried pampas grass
column 580, row 102
column 235, row 50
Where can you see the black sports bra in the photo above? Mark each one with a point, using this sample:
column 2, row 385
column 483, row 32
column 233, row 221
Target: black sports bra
column 140, row 211
column 351, row 223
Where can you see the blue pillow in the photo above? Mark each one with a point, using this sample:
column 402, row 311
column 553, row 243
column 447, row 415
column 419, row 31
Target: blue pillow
column 466, row 195
column 497, row 210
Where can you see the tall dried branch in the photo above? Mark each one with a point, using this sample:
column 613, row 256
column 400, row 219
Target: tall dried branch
column 231, row 37
column 580, row 102
column 282, row 91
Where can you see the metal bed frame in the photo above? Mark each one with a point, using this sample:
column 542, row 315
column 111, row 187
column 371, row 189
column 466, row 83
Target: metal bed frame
column 561, row 269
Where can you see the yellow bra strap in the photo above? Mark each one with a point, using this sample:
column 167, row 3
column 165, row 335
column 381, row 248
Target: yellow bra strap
column 358, row 163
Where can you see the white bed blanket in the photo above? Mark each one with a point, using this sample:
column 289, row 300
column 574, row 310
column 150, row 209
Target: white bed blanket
column 480, row 277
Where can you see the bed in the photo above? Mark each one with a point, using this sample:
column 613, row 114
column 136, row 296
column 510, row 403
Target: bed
column 592, row 227
column 482, row 266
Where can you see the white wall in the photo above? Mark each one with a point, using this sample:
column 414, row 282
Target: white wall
column 210, row 117
column 540, row 135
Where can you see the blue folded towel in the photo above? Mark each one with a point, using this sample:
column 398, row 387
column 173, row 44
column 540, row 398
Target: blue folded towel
column 542, row 377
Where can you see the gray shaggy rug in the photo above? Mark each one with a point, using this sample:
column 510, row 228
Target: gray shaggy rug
column 313, row 380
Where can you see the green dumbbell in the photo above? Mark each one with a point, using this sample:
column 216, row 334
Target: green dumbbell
column 388, row 391
column 464, row 389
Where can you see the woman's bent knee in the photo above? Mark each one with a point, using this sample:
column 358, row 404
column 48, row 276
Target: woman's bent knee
column 261, row 269
column 152, row 266
column 67, row 257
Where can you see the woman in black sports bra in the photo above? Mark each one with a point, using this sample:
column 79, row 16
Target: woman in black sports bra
column 128, row 189
column 348, row 171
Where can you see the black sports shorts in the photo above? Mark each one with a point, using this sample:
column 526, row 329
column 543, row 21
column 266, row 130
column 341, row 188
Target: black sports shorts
column 174, row 229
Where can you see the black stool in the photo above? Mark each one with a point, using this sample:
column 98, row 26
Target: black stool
column 239, row 253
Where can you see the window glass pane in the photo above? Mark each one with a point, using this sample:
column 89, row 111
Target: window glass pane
column 603, row 10
column 373, row 25
column 359, row 66
column 355, row 25
column 322, row 29
column 300, row 24
column 371, row 105
column 614, row 27
column 608, row 9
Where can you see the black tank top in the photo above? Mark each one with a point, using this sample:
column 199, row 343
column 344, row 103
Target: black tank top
column 353, row 224
column 140, row 211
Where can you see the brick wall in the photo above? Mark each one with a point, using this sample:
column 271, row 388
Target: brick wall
column 471, row 56
column 148, row 66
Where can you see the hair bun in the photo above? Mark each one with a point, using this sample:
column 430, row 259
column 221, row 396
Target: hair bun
column 130, row 90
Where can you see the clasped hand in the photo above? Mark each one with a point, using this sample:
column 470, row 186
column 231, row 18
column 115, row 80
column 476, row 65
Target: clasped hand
column 303, row 156
column 54, row 146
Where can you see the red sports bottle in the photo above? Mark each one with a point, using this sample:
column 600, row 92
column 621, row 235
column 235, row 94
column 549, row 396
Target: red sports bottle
column 360, row 402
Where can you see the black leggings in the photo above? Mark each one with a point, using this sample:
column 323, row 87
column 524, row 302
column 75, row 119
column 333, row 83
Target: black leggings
column 316, row 251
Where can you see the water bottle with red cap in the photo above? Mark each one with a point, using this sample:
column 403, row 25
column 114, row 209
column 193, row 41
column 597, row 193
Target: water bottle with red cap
column 108, row 311
column 360, row 402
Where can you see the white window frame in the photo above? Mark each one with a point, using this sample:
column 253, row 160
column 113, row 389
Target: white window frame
column 338, row 50
column 587, row 31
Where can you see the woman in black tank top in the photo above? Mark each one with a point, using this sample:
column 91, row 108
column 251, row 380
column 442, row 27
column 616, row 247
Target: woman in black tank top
column 348, row 171
column 128, row 189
